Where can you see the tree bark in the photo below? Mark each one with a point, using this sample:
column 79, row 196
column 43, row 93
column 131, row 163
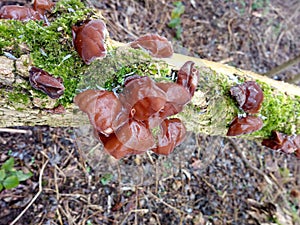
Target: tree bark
column 210, row 111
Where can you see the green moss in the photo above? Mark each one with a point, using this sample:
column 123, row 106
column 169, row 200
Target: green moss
column 211, row 109
column 120, row 63
column 50, row 46
column 18, row 97
column 279, row 112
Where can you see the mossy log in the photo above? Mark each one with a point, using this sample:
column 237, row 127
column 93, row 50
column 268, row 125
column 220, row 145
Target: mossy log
column 50, row 48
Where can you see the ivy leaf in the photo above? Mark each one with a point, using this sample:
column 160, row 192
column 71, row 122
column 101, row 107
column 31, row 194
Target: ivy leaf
column 2, row 174
column 23, row 176
column 1, row 187
column 8, row 164
column 11, row 182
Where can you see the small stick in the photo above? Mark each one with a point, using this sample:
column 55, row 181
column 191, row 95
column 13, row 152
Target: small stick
column 35, row 197
column 16, row 131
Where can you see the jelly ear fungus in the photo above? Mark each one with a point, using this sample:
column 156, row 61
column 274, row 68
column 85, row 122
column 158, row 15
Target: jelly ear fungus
column 16, row 12
column 249, row 97
column 89, row 40
column 244, row 125
column 45, row 82
column 124, row 122
column 24, row 13
column 285, row 143
column 156, row 45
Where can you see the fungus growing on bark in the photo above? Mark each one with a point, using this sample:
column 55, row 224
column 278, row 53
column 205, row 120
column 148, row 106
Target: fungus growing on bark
column 89, row 40
column 248, row 95
column 285, row 143
column 45, row 82
column 143, row 97
column 157, row 46
column 43, row 5
column 16, row 12
column 102, row 108
column 124, row 122
column 244, row 125
column 172, row 134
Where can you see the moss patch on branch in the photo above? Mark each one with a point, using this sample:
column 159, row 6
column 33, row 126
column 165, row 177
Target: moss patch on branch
column 279, row 112
column 50, row 47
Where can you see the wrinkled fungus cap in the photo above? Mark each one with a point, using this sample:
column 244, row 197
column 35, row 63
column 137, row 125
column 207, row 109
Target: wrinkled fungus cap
column 45, row 82
column 157, row 46
column 172, row 134
column 244, row 125
column 43, row 5
column 248, row 95
column 89, row 40
column 123, row 122
column 102, row 108
column 285, row 143
column 16, row 12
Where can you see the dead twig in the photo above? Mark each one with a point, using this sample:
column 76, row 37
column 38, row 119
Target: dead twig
column 16, row 131
column 35, row 197
column 283, row 66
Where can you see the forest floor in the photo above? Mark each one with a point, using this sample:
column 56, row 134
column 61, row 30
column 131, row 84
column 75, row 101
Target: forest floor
column 206, row 180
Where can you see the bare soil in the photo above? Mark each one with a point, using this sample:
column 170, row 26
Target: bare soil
column 206, row 180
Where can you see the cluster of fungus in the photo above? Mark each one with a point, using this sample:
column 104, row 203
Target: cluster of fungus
column 249, row 97
column 289, row 144
column 126, row 122
column 24, row 13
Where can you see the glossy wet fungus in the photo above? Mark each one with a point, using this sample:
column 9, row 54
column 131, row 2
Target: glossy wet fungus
column 249, row 97
column 89, row 40
column 125, row 122
column 286, row 143
column 42, row 6
column 24, row 13
column 156, row 45
column 244, row 125
column 45, row 82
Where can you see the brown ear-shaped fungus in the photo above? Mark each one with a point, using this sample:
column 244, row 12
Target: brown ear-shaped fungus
column 188, row 77
column 297, row 153
column 158, row 46
column 135, row 135
column 143, row 97
column 43, row 5
column 248, row 95
column 16, row 12
column 45, row 82
column 172, row 134
column 176, row 95
column 114, row 147
column 102, row 108
column 283, row 142
column 89, row 40
column 244, row 125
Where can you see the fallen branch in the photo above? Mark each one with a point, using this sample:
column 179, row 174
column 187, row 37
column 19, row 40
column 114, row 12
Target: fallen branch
column 211, row 110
